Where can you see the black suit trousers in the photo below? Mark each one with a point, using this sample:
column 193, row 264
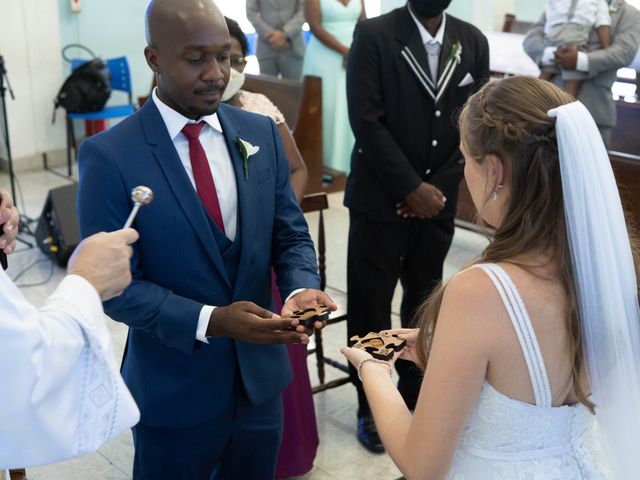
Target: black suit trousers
column 380, row 254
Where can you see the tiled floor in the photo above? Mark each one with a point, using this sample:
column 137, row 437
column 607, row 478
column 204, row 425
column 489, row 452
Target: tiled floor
column 339, row 455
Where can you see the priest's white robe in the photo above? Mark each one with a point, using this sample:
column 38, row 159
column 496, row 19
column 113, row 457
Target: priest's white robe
column 61, row 394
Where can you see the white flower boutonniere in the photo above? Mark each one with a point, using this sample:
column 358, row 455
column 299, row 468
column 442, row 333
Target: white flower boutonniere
column 246, row 150
column 456, row 53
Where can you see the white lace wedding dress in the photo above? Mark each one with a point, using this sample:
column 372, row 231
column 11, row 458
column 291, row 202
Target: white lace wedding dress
column 510, row 439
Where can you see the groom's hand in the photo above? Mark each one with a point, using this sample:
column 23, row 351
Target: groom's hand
column 308, row 298
column 248, row 322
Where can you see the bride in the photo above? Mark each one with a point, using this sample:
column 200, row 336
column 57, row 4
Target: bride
column 531, row 354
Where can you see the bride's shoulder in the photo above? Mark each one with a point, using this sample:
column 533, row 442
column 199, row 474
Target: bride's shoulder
column 472, row 314
column 471, row 282
column 471, row 294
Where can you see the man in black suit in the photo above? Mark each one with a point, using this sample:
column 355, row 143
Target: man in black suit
column 409, row 72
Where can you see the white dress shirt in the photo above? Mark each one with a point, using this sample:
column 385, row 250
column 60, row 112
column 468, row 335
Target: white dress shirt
column 432, row 44
column 590, row 13
column 61, row 394
column 215, row 147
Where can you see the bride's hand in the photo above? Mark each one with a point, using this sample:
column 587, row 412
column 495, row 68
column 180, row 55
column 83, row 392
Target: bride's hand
column 410, row 335
column 356, row 356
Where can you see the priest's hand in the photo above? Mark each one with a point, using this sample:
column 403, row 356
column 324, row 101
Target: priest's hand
column 103, row 260
column 424, row 202
column 248, row 322
column 308, row 298
column 567, row 57
column 9, row 219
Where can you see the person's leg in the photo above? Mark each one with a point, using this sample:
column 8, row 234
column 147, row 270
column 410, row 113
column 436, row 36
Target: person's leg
column 268, row 65
column 373, row 268
column 422, row 267
column 253, row 448
column 547, row 75
column 573, row 81
column 290, row 65
column 178, row 453
column 181, row 453
column 572, row 87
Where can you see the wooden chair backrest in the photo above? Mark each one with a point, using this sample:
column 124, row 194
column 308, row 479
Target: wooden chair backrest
column 512, row 25
column 308, row 132
column 301, row 105
column 318, row 202
column 285, row 94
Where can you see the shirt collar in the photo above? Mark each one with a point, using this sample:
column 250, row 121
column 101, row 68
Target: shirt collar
column 424, row 34
column 175, row 121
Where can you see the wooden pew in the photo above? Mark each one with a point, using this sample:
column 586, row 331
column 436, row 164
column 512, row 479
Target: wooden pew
column 626, row 168
column 301, row 105
column 285, row 94
column 624, row 137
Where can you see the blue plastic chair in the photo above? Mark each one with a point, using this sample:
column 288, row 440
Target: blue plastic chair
column 252, row 42
column 120, row 80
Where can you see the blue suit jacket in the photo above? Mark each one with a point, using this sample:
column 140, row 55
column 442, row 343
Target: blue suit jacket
column 178, row 268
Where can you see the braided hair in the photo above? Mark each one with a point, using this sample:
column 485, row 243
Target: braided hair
column 508, row 118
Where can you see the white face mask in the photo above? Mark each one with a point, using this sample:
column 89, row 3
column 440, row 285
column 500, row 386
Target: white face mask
column 236, row 80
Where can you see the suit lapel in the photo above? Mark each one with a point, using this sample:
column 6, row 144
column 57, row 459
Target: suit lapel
column 246, row 187
column 447, row 63
column 413, row 52
column 186, row 195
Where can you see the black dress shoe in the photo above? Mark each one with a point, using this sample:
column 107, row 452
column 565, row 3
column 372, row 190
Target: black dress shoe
column 368, row 434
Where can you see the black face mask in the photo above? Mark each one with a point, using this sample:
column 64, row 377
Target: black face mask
column 429, row 8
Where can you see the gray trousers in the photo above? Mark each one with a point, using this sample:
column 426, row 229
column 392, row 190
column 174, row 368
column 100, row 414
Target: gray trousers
column 286, row 64
column 568, row 34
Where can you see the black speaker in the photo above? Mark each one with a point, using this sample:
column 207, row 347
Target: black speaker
column 58, row 232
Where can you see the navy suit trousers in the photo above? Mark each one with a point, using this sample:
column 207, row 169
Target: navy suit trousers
column 242, row 443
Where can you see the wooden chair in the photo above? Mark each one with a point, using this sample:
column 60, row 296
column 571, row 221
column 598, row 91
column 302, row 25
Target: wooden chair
column 512, row 25
column 318, row 203
column 284, row 93
column 301, row 105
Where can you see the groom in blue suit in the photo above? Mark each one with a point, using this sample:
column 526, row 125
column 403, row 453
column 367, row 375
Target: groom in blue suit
column 204, row 358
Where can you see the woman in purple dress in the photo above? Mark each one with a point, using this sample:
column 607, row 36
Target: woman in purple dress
column 300, row 433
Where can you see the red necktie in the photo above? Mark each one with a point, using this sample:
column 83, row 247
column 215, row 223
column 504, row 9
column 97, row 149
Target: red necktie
column 202, row 173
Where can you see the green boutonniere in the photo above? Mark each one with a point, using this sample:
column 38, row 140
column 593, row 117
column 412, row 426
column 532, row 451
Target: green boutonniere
column 246, row 150
column 456, row 53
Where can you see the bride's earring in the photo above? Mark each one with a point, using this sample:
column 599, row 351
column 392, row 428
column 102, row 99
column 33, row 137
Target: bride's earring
column 494, row 196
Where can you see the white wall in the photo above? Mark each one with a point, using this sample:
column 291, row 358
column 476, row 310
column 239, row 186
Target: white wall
column 484, row 14
column 30, row 45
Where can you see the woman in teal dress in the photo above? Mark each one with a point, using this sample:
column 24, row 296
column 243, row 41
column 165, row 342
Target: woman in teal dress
column 332, row 23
